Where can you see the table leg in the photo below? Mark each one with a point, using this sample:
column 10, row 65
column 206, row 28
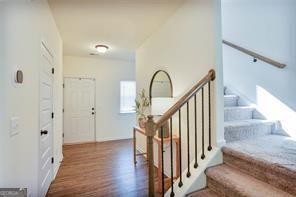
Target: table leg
column 135, row 149
column 159, row 170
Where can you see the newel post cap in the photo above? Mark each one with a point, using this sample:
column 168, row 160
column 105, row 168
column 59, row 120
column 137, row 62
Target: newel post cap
column 213, row 73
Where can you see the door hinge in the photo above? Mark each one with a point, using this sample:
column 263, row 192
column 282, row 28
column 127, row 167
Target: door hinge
column 52, row 115
column 52, row 160
column 52, row 70
column 63, row 85
column 63, row 135
column 63, row 110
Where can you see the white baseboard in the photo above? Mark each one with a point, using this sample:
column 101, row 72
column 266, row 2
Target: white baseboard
column 113, row 139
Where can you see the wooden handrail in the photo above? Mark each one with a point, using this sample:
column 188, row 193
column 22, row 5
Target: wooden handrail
column 255, row 55
column 152, row 127
column 165, row 117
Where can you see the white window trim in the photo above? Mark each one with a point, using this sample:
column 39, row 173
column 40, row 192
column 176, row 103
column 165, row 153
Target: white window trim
column 121, row 111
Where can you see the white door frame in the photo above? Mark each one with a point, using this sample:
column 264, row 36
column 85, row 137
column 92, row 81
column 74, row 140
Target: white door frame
column 45, row 46
column 95, row 106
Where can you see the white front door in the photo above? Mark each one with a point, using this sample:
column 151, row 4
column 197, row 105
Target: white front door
column 46, row 122
column 79, row 110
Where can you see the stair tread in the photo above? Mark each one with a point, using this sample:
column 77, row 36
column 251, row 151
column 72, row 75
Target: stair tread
column 247, row 129
column 236, row 113
column 241, row 183
column 248, row 122
column 230, row 96
column 203, row 193
column 239, row 107
column 280, row 155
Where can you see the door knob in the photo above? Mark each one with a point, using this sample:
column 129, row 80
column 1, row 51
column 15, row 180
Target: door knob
column 44, row 132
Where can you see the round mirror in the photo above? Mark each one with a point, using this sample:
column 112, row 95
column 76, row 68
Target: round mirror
column 161, row 85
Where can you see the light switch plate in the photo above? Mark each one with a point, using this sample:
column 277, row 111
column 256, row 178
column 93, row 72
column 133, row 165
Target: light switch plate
column 14, row 126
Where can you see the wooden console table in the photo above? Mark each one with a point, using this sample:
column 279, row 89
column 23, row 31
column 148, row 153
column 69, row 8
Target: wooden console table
column 175, row 139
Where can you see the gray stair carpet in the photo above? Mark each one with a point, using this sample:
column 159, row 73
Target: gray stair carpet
column 230, row 100
column 238, row 113
column 227, row 181
column 256, row 163
column 247, row 129
column 243, row 122
column 271, row 159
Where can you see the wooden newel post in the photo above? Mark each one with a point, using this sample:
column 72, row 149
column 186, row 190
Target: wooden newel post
column 150, row 132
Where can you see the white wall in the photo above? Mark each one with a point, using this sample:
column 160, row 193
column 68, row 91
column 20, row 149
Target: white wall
column 23, row 25
column 187, row 46
column 110, row 124
column 267, row 27
column 2, row 88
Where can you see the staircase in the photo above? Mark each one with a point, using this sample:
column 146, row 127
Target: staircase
column 256, row 162
column 243, row 121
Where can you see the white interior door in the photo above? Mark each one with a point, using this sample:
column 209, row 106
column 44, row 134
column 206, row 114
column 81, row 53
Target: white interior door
column 79, row 110
column 46, row 122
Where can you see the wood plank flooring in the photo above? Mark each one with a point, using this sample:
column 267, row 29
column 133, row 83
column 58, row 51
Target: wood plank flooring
column 100, row 169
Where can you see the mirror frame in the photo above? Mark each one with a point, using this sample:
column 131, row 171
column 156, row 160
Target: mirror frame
column 151, row 83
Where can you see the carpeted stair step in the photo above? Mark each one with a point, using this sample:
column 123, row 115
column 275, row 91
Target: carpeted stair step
column 230, row 100
column 238, row 113
column 203, row 193
column 271, row 159
column 247, row 129
column 230, row 182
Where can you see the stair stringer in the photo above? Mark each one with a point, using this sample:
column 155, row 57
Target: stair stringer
column 198, row 179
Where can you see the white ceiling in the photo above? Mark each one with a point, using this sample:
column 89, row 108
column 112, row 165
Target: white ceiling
column 123, row 25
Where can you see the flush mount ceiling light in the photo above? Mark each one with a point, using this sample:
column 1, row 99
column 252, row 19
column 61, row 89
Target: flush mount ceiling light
column 101, row 48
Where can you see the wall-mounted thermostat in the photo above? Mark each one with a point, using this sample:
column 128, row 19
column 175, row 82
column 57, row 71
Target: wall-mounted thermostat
column 19, row 76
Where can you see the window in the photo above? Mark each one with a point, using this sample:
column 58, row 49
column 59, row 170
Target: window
column 127, row 96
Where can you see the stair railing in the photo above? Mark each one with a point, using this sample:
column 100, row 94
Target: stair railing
column 152, row 127
column 255, row 55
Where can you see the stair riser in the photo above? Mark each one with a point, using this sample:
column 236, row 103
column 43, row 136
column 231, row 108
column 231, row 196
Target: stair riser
column 232, row 134
column 262, row 173
column 230, row 101
column 221, row 190
column 215, row 186
column 238, row 114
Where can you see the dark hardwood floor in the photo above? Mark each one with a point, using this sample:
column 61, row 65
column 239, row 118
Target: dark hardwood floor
column 100, row 169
